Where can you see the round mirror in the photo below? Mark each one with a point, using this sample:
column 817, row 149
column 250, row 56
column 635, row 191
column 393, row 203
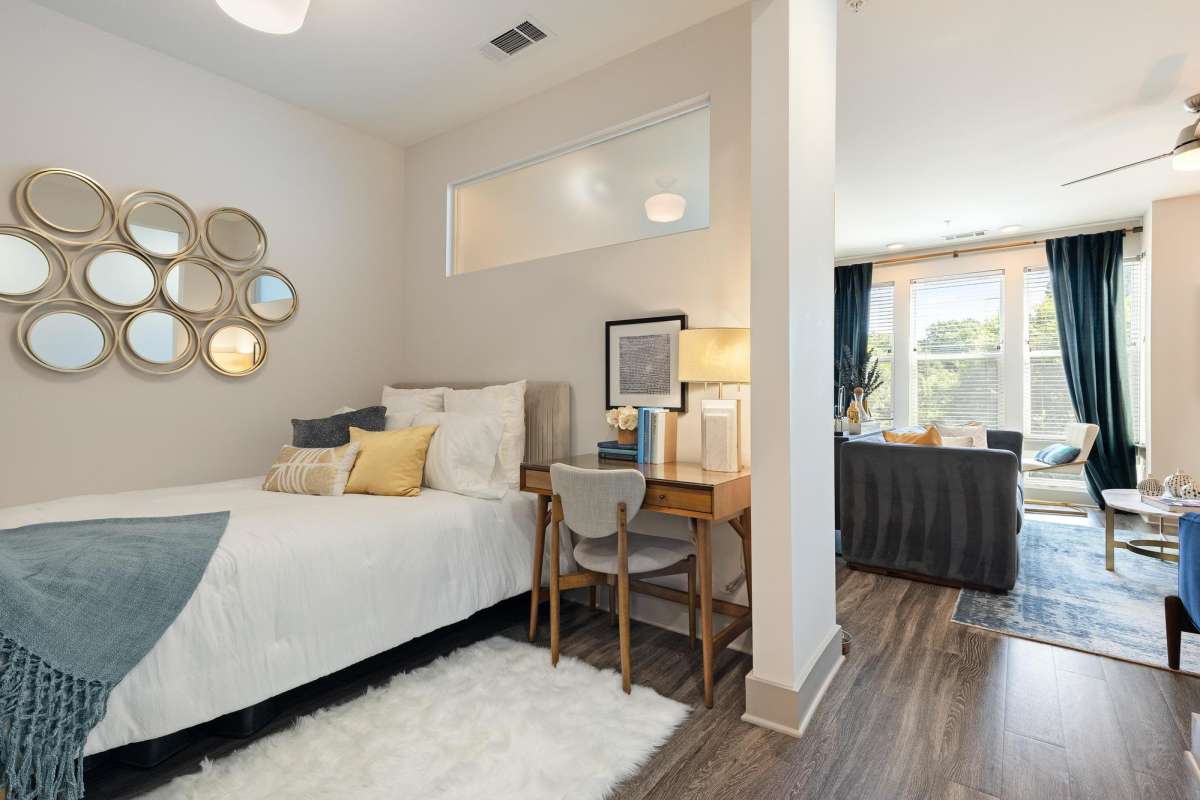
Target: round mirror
column 235, row 236
column 158, row 229
column 194, row 286
column 66, row 201
column 24, row 268
column 121, row 278
column 270, row 297
column 236, row 347
column 67, row 341
column 158, row 337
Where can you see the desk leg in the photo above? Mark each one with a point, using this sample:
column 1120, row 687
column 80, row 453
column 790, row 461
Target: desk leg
column 539, row 551
column 1110, row 527
column 746, row 556
column 704, row 567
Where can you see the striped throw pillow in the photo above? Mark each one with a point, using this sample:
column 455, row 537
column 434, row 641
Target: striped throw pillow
column 312, row 470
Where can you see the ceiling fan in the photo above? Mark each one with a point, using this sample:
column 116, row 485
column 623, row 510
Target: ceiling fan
column 1185, row 154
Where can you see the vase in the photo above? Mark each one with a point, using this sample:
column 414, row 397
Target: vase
column 626, row 437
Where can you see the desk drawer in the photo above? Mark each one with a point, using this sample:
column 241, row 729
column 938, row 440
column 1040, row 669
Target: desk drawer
column 658, row 496
column 535, row 480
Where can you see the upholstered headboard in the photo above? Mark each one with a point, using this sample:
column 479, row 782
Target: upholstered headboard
column 547, row 416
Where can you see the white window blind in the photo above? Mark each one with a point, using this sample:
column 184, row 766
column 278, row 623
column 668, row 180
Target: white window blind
column 1135, row 343
column 958, row 348
column 1048, row 408
column 881, row 342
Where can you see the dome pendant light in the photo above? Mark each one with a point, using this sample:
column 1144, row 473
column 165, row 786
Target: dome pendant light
column 665, row 206
column 268, row 16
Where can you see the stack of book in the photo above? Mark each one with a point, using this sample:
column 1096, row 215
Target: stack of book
column 656, row 434
column 1176, row 505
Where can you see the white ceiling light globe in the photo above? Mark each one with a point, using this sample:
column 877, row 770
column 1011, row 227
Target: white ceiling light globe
column 1187, row 158
column 268, row 16
column 666, row 207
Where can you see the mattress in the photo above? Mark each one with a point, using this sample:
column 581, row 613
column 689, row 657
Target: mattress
column 301, row 587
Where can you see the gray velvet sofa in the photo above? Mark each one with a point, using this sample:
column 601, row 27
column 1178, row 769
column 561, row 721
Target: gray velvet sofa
column 945, row 514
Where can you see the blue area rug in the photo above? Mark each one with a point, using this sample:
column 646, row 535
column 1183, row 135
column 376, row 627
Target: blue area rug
column 1064, row 596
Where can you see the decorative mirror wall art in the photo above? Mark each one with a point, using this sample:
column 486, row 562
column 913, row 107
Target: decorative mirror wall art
column 66, row 335
column 169, row 274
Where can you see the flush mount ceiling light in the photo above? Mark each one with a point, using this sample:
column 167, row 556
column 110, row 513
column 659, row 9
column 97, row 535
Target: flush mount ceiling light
column 1010, row 229
column 665, row 206
column 896, row 246
column 268, row 16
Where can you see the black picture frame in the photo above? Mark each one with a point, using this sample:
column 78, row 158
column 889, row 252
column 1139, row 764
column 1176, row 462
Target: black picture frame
column 668, row 321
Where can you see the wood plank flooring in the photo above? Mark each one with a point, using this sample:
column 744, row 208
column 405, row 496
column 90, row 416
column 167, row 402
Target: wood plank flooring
column 922, row 708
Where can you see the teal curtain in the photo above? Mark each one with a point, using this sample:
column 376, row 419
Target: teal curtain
column 1085, row 274
column 851, row 313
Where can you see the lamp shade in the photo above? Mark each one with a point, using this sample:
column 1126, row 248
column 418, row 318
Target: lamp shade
column 268, row 16
column 714, row 355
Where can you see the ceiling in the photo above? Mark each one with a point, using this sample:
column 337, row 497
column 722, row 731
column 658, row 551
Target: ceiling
column 970, row 112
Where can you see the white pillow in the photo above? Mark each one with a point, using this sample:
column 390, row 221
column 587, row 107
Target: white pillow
column 413, row 401
column 463, row 453
column 973, row 430
column 507, row 402
column 957, row 441
column 395, row 422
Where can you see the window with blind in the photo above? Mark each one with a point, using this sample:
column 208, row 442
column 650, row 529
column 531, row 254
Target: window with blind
column 1135, row 344
column 881, row 344
column 958, row 349
column 1048, row 408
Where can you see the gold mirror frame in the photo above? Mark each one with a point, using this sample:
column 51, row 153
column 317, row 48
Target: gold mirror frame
column 231, row 322
column 54, row 257
column 248, row 283
column 228, row 261
column 157, row 367
column 228, row 291
column 34, row 218
column 67, row 305
column 80, row 278
column 147, row 197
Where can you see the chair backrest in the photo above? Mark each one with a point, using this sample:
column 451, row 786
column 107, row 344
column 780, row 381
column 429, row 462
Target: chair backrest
column 590, row 497
column 1082, row 435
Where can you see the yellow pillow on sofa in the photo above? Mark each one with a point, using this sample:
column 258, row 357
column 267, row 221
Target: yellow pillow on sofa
column 389, row 462
column 929, row 436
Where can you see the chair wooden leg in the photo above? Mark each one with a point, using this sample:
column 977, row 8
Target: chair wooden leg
column 556, row 517
column 623, row 598
column 1175, row 616
column 612, row 600
column 691, row 590
column 539, row 553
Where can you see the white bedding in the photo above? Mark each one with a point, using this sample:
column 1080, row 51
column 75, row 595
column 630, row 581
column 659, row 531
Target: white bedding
column 300, row 587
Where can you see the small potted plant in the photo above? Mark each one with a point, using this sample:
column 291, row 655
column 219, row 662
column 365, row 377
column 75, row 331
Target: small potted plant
column 625, row 420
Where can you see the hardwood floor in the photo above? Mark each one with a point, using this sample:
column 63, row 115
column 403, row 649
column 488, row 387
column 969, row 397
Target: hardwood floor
column 922, row 708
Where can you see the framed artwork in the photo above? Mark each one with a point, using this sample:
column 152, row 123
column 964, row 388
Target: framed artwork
column 641, row 359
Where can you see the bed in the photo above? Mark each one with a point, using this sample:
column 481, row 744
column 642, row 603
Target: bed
column 301, row 586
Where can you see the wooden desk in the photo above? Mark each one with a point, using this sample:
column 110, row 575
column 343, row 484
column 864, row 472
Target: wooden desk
column 681, row 489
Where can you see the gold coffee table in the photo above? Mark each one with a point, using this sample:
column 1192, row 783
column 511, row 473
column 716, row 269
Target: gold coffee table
column 1131, row 500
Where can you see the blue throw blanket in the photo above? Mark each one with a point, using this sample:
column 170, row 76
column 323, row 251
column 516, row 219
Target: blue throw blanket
column 81, row 603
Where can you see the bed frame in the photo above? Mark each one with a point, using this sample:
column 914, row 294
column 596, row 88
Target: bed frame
column 547, row 437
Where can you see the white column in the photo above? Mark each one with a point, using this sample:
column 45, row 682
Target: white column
column 797, row 642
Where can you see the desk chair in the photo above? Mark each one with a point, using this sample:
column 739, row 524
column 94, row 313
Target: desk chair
column 597, row 505
column 1078, row 434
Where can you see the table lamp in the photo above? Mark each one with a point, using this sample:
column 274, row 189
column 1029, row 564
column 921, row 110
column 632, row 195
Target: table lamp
column 720, row 356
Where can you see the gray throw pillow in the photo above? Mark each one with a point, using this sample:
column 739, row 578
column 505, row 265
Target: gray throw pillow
column 335, row 431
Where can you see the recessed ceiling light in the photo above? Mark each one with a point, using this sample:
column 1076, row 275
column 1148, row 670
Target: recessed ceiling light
column 1010, row 229
column 268, row 16
column 896, row 246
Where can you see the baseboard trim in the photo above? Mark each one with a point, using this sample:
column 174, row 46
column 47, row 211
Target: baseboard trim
column 787, row 709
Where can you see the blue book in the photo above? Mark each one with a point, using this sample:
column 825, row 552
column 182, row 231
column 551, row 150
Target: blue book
column 642, row 429
column 615, row 445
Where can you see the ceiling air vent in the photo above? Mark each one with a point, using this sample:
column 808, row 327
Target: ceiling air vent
column 513, row 41
column 954, row 237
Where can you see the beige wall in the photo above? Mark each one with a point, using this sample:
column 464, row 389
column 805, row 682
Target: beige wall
column 329, row 198
column 1174, row 335
column 545, row 319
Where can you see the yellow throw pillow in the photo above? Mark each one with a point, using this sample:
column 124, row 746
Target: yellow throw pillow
column 929, row 436
column 389, row 462
column 311, row 470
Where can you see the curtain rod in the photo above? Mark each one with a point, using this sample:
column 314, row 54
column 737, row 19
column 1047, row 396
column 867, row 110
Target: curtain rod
column 983, row 248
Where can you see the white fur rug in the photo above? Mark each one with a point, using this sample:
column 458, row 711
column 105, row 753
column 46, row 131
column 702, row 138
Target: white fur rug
column 493, row 720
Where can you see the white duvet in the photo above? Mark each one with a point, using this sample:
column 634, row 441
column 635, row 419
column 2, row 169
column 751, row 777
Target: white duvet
column 300, row 587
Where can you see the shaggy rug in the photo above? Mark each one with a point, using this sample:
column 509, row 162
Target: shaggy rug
column 1065, row 596
column 491, row 720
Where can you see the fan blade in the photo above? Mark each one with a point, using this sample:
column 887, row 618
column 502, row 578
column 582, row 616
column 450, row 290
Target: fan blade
column 1118, row 169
